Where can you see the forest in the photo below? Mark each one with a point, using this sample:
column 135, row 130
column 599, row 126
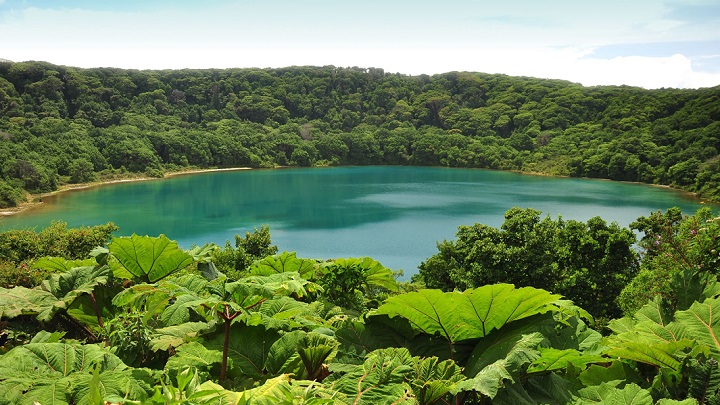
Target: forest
column 63, row 125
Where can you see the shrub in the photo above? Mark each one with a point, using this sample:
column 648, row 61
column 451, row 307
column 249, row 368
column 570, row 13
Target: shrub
column 21, row 245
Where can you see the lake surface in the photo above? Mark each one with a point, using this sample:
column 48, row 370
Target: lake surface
column 393, row 214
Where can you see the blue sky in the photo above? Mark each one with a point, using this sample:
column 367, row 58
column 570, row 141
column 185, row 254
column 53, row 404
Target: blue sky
column 648, row 43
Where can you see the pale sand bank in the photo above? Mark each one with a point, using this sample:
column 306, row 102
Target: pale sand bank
column 37, row 198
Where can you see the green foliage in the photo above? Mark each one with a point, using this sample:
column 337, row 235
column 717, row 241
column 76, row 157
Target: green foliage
column 82, row 171
column 24, row 301
column 55, row 240
column 254, row 246
column 282, row 263
column 346, row 282
column 460, row 317
column 12, row 275
column 130, row 337
column 354, row 283
column 10, row 196
column 61, row 373
column 149, row 259
column 394, row 376
column 608, row 393
column 60, row 123
column 679, row 251
column 578, row 260
column 705, row 382
column 274, row 337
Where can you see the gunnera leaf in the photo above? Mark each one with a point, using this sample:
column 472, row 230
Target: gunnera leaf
column 380, row 379
column 609, row 393
column 283, row 263
column 149, row 258
column 702, row 323
column 468, row 315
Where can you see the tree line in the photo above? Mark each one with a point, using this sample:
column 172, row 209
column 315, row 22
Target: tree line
column 61, row 124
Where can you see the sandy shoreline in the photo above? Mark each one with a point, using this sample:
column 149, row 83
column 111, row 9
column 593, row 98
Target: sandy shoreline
column 36, row 199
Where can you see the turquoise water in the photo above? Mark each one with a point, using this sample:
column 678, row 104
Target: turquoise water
column 393, row 214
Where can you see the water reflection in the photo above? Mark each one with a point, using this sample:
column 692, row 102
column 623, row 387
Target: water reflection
column 393, row 214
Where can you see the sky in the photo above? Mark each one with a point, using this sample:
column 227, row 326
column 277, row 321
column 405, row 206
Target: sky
column 646, row 43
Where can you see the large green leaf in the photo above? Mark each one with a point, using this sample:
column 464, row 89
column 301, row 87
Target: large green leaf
column 254, row 290
column 301, row 354
column 25, row 301
column 178, row 312
column 286, row 262
column 60, row 373
column 26, row 390
column 133, row 384
column 654, row 336
column 702, row 323
column 655, row 311
column 83, row 308
column 284, row 313
column 470, row 315
column 497, row 344
column 315, row 350
column 692, row 285
column 283, row 357
column 654, row 323
column 152, row 299
column 377, row 332
column 274, row 391
column 704, row 381
column 553, row 359
column 429, row 311
column 177, row 335
column 202, row 255
column 657, row 354
column 543, row 389
column 374, row 274
column 381, row 379
column 80, row 280
column 492, row 377
column 434, row 379
column 609, row 393
column 56, row 359
column 573, row 333
column 249, row 349
column 149, row 258
column 195, row 355
column 60, row 264
column 597, row 374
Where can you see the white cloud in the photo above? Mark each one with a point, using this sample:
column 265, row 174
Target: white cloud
column 538, row 42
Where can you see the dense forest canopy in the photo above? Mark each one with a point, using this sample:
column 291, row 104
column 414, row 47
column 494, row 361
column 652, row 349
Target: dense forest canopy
column 61, row 124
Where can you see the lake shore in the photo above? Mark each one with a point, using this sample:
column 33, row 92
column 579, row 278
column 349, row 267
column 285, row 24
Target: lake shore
column 36, row 199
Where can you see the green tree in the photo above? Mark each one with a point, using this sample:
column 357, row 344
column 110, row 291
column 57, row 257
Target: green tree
column 588, row 263
column 254, row 246
column 672, row 245
column 82, row 171
column 10, row 196
column 55, row 240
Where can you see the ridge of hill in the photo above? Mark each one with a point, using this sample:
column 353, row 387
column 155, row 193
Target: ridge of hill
column 62, row 124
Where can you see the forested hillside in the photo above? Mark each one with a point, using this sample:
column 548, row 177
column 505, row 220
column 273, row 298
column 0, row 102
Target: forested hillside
column 67, row 125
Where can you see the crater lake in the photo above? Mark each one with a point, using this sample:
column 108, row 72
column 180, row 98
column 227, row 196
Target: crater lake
column 392, row 214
